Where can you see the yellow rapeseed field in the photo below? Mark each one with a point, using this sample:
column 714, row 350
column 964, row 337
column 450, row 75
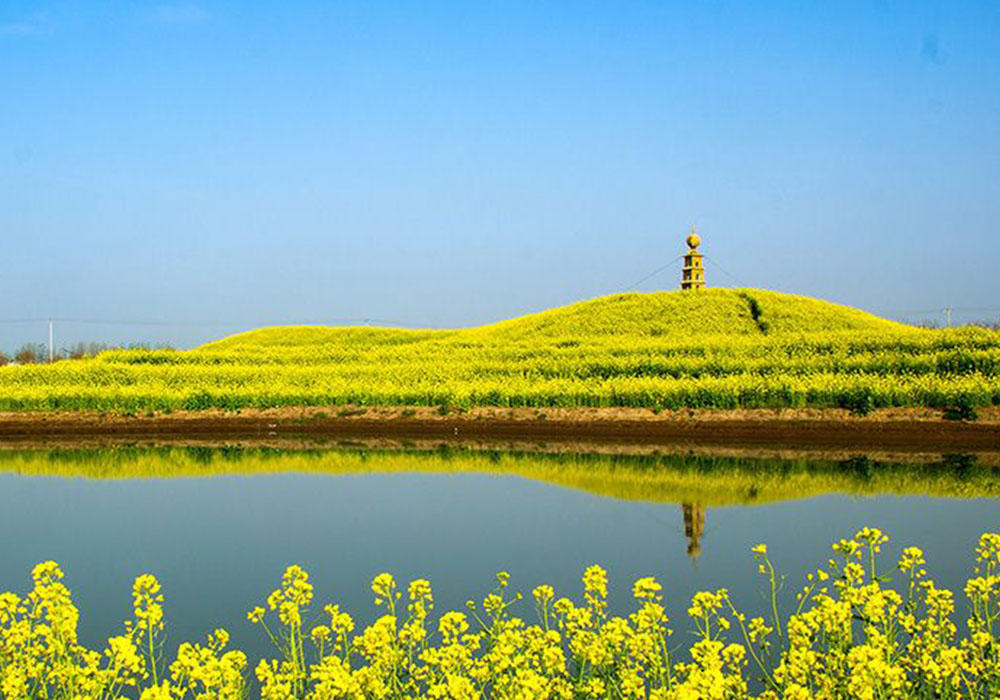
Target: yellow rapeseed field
column 668, row 350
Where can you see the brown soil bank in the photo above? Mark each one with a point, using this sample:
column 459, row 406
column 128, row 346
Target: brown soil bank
column 898, row 429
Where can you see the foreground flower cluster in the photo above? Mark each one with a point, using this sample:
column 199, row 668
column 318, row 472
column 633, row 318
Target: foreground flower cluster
column 851, row 635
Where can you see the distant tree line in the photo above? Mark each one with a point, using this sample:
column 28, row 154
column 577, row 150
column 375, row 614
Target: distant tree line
column 934, row 323
column 37, row 353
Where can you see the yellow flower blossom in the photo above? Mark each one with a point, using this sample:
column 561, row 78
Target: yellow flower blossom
column 863, row 638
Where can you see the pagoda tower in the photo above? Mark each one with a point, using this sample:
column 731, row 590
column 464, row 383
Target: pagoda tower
column 693, row 274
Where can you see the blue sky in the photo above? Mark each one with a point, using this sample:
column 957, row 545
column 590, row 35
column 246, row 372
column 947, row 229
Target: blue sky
column 447, row 164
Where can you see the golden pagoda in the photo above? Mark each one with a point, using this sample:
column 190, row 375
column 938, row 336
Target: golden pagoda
column 693, row 276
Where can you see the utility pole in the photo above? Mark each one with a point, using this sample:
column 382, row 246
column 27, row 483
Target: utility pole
column 50, row 341
column 947, row 313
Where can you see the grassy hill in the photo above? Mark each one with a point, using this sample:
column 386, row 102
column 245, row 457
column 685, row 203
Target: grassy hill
column 278, row 338
column 671, row 315
column 680, row 315
column 715, row 348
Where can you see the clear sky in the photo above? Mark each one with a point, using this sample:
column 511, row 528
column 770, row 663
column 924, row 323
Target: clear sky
column 447, row 164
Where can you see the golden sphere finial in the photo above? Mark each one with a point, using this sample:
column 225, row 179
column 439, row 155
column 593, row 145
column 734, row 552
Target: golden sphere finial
column 693, row 239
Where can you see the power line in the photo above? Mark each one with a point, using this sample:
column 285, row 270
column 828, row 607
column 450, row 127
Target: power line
column 731, row 276
column 115, row 322
column 948, row 310
column 664, row 267
column 654, row 273
column 190, row 324
column 943, row 309
column 973, row 308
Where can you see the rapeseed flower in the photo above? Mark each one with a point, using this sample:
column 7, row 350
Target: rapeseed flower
column 858, row 638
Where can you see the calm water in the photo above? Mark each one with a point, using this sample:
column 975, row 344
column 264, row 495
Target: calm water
column 218, row 527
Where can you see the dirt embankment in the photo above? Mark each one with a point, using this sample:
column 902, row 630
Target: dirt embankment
column 897, row 429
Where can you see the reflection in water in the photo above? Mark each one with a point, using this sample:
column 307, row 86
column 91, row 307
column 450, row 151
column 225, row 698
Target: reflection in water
column 705, row 480
column 219, row 525
column 694, row 527
column 694, row 481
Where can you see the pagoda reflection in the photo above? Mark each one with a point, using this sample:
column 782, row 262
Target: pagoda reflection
column 694, row 527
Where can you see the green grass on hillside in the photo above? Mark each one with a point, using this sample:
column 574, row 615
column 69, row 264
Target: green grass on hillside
column 715, row 348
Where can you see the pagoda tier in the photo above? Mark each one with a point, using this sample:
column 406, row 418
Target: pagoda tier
column 693, row 273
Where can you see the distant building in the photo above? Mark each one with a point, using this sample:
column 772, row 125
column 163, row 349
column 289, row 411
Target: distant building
column 693, row 275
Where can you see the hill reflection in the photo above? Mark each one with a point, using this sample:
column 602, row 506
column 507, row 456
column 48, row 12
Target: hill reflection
column 694, row 481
